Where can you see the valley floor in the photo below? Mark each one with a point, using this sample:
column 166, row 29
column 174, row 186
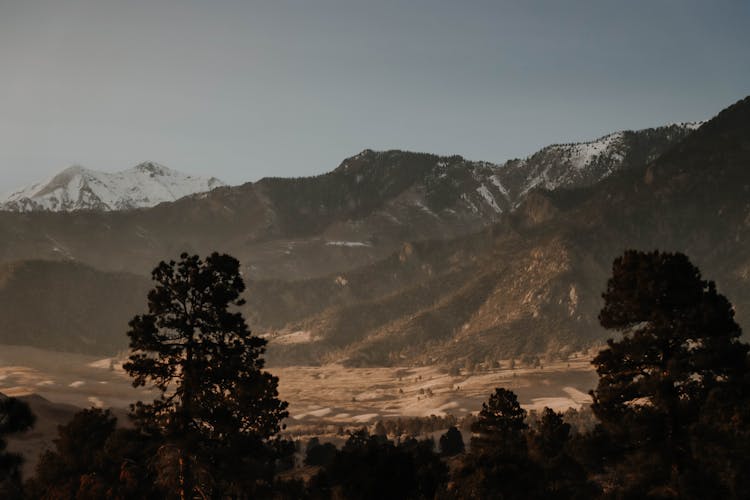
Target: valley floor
column 330, row 392
column 55, row 383
column 362, row 395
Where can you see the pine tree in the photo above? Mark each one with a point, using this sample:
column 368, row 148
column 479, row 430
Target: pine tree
column 216, row 403
column 91, row 458
column 319, row 454
column 552, row 433
column 500, row 424
column 498, row 463
column 372, row 467
column 561, row 475
column 15, row 416
column 452, row 442
column 680, row 342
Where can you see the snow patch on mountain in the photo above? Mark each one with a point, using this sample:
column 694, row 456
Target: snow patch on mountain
column 347, row 244
column 562, row 164
column 691, row 125
column 580, row 155
column 579, row 164
column 79, row 188
column 494, row 180
column 485, row 193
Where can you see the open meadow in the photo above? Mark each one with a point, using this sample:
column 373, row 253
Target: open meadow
column 57, row 384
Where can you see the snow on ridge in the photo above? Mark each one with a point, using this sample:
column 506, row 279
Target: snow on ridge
column 496, row 181
column 79, row 188
column 581, row 154
column 347, row 244
column 690, row 125
column 485, row 193
column 562, row 164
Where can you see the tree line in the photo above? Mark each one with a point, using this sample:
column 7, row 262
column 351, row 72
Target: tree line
column 672, row 408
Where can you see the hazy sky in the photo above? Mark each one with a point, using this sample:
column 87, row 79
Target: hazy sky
column 244, row 89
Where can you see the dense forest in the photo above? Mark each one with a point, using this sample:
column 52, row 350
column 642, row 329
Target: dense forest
column 671, row 411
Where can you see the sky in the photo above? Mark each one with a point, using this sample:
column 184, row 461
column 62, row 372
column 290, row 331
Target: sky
column 243, row 89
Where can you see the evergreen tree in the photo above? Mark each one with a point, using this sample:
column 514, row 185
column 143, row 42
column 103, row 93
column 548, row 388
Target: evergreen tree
column 551, row 434
column 217, row 406
column 76, row 455
column 562, row 476
column 15, row 416
column 93, row 459
column 452, row 442
column 722, row 437
column 680, row 343
column 500, row 423
column 319, row 454
column 380, row 429
column 372, row 467
column 498, row 464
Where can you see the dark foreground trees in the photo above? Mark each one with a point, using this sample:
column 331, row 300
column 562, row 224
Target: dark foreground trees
column 372, row 467
column 319, row 454
column 673, row 403
column 452, row 442
column 500, row 425
column 680, row 351
column 509, row 460
column 15, row 416
column 93, row 459
column 217, row 407
column 498, row 464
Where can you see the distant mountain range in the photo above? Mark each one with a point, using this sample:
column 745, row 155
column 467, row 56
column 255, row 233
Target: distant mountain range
column 398, row 257
column 78, row 188
column 532, row 281
column 496, row 187
column 302, row 228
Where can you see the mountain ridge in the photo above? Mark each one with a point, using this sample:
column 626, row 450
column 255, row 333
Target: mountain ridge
column 335, row 252
column 532, row 283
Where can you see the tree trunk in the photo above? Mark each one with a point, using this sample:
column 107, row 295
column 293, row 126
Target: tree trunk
column 187, row 486
column 186, row 477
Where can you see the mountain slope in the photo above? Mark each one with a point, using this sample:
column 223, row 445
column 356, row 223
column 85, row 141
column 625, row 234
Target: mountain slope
column 67, row 306
column 78, row 188
column 333, row 268
column 532, row 283
column 577, row 165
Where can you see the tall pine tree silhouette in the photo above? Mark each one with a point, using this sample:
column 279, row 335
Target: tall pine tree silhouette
column 500, row 424
column 680, row 342
column 216, row 401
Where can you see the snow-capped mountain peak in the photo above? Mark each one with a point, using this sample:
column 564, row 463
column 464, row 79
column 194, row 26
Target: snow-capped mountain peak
column 151, row 167
column 78, row 188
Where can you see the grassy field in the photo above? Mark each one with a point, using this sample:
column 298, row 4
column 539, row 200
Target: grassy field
column 329, row 392
column 55, row 383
